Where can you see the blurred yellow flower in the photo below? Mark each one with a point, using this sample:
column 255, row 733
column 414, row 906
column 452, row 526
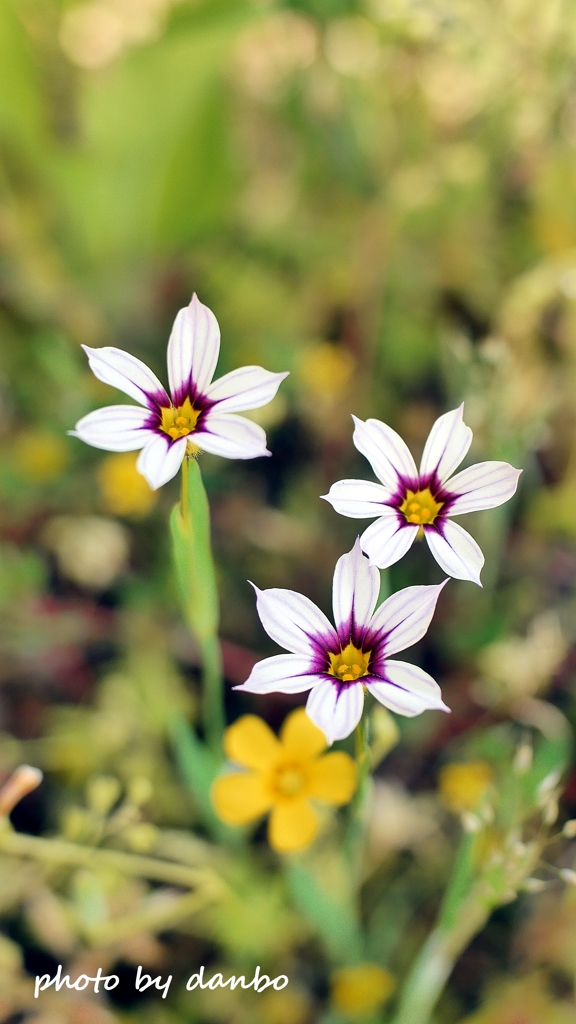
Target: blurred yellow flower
column 124, row 491
column 523, row 1001
column 286, row 773
column 357, row 991
column 326, row 369
column 289, row 1007
column 462, row 786
column 40, row 456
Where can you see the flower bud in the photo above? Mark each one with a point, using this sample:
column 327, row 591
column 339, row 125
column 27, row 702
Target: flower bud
column 534, row 884
column 550, row 812
column 21, row 782
column 569, row 876
column 470, row 822
column 549, row 783
column 385, row 734
column 523, row 759
column 102, row 793
column 509, row 895
column 142, row 836
column 139, row 790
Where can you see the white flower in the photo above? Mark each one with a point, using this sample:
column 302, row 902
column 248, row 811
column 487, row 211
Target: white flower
column 337, row 664
column 199, row 412
column 409, row 503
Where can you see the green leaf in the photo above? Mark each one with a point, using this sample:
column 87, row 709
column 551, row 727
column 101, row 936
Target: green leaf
column 198, row 767
column 333, row 919
column 22, row 114
column 155, row 166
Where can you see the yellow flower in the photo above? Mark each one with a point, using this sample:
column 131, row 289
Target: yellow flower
column 523, row 1001
column 40, row 456
column 124, row 491
column 357, row 991
column 286, row 773
column 462, row 786
column 326, row 369
column 288, row 1007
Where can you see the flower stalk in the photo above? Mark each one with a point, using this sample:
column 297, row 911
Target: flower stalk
column 62, row 852
column 196, row 578
column 469, row 900
column 203, row 885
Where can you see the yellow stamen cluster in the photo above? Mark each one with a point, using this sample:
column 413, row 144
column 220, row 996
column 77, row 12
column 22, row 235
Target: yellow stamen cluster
column 289, row 780
column 181, row 421
column 420, row 507
column 350, row 664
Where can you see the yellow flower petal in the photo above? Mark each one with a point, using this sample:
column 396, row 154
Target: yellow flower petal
column 293, row 825
column 240, row 797
column 250, row 742
column 332, row 778
column 300, row 737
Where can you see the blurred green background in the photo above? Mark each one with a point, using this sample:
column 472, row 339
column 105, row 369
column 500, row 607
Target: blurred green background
column 380, row 197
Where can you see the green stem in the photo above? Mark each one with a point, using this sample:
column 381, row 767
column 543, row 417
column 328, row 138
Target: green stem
column 359, row 743
column 213, row 696
column 184, row 510
column 436, row 961
column 196, row 576
column 464, row 912
column 153, row 917
column 355, row 832
column 203, row 884
column 59, row 851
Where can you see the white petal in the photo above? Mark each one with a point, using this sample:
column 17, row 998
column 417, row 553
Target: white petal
column 354, row 592
column 115, row 428
column 160, row 460
column 233, row 437
column 128, row 374
column 193, row 350
column 409, row 691
column 250, row 387
column 386, row 452
column 284, row 673
column 388, row 539
column 447, row 444
column 295, row 622
column 406, row 616
column 456, row 551
column 335, row 710
column 485, row 485
column 357, row 499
